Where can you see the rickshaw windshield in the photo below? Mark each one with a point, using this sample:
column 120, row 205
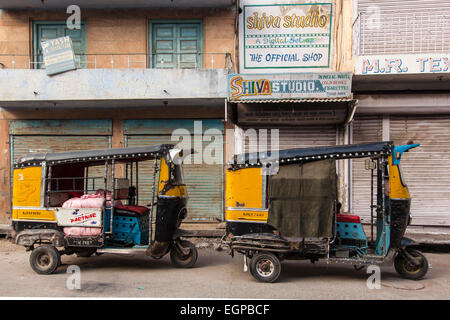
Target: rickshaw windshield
column 400, row 174
column 176, row 174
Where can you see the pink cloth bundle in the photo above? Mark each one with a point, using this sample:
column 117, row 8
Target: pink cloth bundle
column 90, row 201
column 87, row 201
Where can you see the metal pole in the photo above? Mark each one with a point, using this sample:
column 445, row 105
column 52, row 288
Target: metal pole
column 383, row 206
column 105, row 178
column 49, row 185
column 86, row 179
column 113, row 185
column 155, row 172
column 371, row 205
column 137, row 184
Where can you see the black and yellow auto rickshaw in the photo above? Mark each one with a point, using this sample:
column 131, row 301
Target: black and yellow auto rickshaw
column 87, row 202
column 286, row 207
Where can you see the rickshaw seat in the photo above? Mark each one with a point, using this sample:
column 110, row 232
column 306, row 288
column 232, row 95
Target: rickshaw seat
column 132, row 210
column 347, row 217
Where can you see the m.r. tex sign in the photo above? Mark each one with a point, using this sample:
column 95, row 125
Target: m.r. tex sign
column 58, row 55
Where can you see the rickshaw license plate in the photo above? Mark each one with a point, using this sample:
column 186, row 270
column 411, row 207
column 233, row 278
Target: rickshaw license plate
column 85, row 241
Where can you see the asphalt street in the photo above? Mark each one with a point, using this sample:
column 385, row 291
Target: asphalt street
column 216, row 275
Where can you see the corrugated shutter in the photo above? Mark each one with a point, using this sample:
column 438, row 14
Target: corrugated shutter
column 204, row 181
column 40, row 136
column 365, row 129
column 41, row 144
column 296, row 137
column 426, row 169
column 394, row 26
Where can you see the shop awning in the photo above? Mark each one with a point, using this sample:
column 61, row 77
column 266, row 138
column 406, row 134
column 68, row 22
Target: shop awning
column 313, row 111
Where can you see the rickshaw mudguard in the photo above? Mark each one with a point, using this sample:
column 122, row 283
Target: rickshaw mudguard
column 28, row 238
column 168, row 217
column 400, row 211
column 407, row 242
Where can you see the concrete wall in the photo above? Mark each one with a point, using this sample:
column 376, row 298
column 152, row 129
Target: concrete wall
column 35, row 86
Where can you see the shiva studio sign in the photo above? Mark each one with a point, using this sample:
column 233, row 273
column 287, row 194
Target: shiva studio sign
column 308, row 85
column 279, row 36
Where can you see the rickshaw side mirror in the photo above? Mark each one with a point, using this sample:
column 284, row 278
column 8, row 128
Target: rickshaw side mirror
column 398, row 151
column 370, row 165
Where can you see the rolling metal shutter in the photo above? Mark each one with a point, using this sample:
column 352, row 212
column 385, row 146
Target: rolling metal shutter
column 26, row 144
column 394, row 26
column 42, row 136
column 365, row 129
column 297, row 137
column 426, row 169
column 204, row 181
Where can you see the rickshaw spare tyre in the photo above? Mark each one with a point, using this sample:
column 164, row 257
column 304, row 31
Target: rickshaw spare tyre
column 265, row 267
column 409, row 270
column 183, row 261
column 45, row 259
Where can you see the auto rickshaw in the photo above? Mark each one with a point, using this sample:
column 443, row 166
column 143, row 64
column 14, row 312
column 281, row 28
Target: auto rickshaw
column 87, row 202
column 286, row 206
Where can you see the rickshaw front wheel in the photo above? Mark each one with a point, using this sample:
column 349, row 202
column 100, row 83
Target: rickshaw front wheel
column 181, row 260
column 45, row 259
column 265, row 267
column 407, row 269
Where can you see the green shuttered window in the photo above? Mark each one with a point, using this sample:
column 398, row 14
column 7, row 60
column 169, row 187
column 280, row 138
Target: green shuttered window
column 176, row 45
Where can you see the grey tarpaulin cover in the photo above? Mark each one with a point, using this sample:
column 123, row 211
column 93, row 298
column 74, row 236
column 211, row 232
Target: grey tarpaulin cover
column 302, row 199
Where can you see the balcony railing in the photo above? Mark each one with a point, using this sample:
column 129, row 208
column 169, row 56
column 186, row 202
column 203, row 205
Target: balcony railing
column 169, row 60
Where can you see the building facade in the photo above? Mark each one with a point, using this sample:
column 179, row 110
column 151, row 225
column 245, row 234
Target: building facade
column 144, row 69
column 401, row 80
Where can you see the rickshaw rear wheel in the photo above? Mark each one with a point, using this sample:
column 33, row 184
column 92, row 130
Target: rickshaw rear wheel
column 265, row 267
column 45, row 259
column 184, row 261
column 408, row 270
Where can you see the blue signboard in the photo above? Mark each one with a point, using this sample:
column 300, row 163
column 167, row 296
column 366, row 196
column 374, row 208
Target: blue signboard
column 58, row 55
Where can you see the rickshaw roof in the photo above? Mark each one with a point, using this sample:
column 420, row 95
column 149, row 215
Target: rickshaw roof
column 89, row 156
column 316, row 153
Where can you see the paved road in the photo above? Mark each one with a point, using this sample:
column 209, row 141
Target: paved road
column 217, row 275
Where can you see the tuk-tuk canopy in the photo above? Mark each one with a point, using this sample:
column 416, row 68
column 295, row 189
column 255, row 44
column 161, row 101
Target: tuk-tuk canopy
column 312, row 154
column 92, row 156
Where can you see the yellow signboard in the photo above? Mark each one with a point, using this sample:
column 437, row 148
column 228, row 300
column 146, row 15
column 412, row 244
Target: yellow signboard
column 245, row 215
column 33, row 214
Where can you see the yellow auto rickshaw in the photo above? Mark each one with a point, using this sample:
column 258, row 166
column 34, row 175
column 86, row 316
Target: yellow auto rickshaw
column 87, row 202
column 285, row 206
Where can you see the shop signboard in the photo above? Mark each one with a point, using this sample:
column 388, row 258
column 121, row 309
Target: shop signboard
column 403, row 64
column 325, row 85
column 58, row 55
column 285, row 36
